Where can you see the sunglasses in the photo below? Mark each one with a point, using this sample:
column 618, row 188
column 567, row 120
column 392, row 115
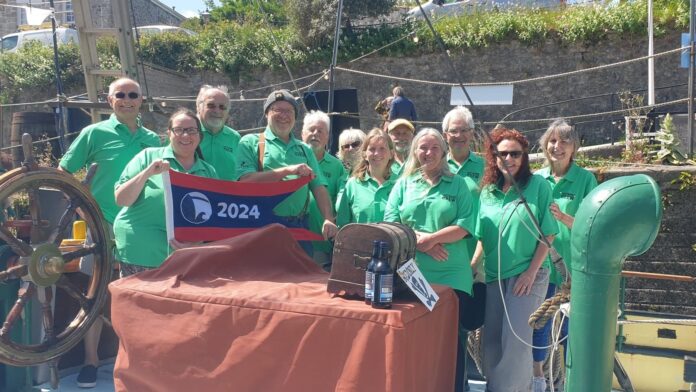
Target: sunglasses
column 211, row 105
column 131, row 95
column 355, row 144
column 178, row 131
column 512, row 154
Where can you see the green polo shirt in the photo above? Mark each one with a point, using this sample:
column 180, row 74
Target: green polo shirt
column 140, row 230
column 568, row 193
column 279, row 154
column 335, row 174
column 473, row 187
column 363, row 201
column 220, row 149
column 426, row 208
column 472, row 167
column 111, row 145
column 396, row 169
column 517, row 248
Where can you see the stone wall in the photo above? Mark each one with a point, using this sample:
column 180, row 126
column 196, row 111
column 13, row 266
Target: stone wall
column 499, row 63
column 147, row 12
column 672, row 251
column 8, row 18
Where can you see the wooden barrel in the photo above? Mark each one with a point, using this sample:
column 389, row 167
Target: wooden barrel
column 40, row 125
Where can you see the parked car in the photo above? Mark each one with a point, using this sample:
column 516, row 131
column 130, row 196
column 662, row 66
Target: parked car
column 14, row 41
column 158, row 29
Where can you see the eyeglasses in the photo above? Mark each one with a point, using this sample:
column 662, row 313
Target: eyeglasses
column 355, row 144
column 178, row 131
column 512, row 154
column 212, row 105
column 286, row 112
column 460, row 130
column 131, row 95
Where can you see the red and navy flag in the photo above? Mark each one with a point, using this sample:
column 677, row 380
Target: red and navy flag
column 206, row 209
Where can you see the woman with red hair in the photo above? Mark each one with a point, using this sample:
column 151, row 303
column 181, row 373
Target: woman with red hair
column 517, row 270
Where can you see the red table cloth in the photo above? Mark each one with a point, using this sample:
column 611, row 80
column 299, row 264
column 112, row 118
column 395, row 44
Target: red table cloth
column 251, row 313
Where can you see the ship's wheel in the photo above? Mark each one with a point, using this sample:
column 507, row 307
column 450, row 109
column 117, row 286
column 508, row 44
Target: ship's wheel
column 34, row 262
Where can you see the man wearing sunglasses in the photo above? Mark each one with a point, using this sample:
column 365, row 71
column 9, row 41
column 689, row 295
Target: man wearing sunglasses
column 276, row 155
column 220, row 142
column 111, row 144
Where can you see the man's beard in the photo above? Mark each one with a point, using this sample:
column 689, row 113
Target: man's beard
column 216, row 123
column 401, row 149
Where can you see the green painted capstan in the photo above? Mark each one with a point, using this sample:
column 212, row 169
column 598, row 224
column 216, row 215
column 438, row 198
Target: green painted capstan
column 618, row 219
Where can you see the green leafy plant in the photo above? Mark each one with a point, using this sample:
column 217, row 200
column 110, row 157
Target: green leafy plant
column 668, row 153
column 685, row 181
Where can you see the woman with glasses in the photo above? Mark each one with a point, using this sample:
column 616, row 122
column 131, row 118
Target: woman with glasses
column 439, row 207
column 139, row 228
column 349, row 142
column 365, row 195
column 570, row 184
column 516, row 265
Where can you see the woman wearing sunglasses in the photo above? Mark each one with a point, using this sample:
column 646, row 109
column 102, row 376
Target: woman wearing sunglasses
column 439, row 207
column 349, row 142
column 139, row 228
column 516, row 265
column 365, row 195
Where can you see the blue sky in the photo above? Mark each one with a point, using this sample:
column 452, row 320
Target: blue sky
column 188, row 8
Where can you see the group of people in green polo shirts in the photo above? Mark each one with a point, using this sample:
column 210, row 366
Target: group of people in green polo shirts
column 472, row 226
column 469, row 221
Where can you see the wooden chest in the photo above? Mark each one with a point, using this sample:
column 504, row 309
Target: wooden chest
column 353, row 251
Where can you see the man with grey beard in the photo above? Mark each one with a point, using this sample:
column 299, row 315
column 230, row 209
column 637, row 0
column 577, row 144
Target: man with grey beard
column 315, row 133
column 401, row 132
column 219, row 143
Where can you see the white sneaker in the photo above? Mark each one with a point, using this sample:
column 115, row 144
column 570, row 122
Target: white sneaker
column 539, row 384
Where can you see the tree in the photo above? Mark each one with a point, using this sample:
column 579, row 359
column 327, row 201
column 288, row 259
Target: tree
column 315, row 20
column 248, row 11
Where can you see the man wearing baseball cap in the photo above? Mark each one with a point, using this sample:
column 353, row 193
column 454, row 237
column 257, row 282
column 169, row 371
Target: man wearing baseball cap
column 401, row 132
column 285, row 157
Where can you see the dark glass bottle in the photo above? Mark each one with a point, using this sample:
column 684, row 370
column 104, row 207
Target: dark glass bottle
column 383, row 287
column 369, row 272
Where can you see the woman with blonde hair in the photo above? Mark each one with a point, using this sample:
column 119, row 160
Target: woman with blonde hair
column 439, row 207
column 365, row 195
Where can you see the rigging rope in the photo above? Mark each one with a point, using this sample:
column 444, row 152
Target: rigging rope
column 520, row 81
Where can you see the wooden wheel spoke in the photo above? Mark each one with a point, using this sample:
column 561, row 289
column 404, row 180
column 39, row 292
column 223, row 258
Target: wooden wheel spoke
column 15, row 272
column 64, row 222
column 45, row 296
column 55, row 377
column 18, row 246
column 87, row 250
column 73, row 291
column 34, row 207
column 24, row 294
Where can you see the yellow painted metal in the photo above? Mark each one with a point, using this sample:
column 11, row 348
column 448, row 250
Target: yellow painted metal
column 646, row 335
column 653, row 374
